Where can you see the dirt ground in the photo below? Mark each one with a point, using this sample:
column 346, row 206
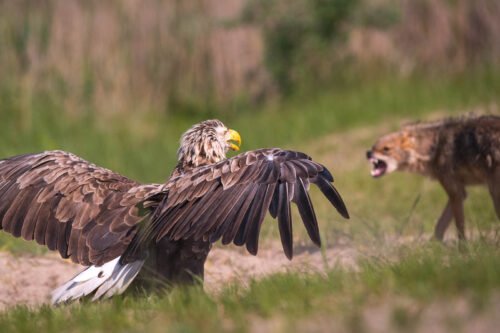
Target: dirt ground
column 28, row 279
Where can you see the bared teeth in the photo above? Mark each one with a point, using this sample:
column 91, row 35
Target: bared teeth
column 374, row 161
column 378, row 167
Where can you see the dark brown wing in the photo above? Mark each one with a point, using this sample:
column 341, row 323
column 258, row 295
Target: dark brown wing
column 229, row 200
column 83, row 211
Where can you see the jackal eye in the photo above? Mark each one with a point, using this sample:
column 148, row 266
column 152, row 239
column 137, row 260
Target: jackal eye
column 386, row 149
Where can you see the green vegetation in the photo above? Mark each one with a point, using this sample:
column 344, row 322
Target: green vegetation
column 143, row 146
column 294, row 31
column 120, row 84
column 405, row 291
column 396, row 281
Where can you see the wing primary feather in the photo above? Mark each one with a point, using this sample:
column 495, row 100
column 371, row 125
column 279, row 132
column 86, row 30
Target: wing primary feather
column 252, row 242
column 17, row 211
column 63, row 238
column 73, row 244
column 171, row 222
column 28, row 229
column 285, row 221
column 270, row 175
column 231, row 198
column 291, row 191
column 228, row 220
column 326, row 174
column 332, row 195
column 204, row 219
column 47, row 213
column 300, row 169
column 53, row 229
column 235, row 223
column 306, row 211
column 250, row 215
column 8, row 193
column 273, row 207
column 288, row 172
column 83, row 250
column 205, row 204
column 49, row 197
column 178, row 224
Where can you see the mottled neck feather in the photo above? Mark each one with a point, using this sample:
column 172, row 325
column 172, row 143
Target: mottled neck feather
column 201, row 145
column 199, row 153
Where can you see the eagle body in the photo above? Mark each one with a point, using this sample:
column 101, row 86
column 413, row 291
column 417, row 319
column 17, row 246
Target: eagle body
column 115, row 225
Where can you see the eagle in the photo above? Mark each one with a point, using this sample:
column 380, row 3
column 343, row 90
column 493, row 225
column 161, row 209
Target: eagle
column 118, row 227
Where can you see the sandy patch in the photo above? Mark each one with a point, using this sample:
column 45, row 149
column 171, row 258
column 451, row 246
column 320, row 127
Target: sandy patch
column 28, row 280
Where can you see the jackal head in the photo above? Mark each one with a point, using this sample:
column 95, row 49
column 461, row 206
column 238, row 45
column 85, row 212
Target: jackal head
column 406, row 150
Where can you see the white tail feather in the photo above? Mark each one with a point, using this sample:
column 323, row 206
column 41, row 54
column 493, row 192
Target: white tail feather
column 107, row 280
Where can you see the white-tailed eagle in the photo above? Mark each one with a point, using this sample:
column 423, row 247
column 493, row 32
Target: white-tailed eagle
column 114, row 225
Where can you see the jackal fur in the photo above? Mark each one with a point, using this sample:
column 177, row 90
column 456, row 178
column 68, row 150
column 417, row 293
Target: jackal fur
column 456, row 152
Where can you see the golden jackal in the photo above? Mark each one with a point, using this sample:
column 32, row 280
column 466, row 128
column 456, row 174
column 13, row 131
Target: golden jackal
column 456, row 152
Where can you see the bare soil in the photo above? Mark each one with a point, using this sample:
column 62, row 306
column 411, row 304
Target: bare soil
column 28, row 279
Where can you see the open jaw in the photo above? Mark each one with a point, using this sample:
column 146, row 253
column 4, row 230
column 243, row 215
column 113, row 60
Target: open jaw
column 379, row 167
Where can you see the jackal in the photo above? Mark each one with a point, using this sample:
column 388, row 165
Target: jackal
column 456, row 152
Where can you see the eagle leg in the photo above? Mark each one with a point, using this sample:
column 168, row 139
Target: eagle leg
column 174, row 263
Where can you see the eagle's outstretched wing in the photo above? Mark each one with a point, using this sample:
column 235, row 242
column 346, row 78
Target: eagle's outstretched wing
column 85, row 212
column 230, row 200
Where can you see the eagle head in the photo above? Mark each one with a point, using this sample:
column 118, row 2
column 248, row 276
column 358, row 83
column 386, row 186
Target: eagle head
column 206, row 143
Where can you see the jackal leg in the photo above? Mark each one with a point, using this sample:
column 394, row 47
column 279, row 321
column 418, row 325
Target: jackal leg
column 443, row 222
column 456, row 194
column 494, row 187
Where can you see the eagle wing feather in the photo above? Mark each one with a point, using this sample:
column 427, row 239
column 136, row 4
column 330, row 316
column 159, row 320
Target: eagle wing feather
column 229, row 200
column 85, row 212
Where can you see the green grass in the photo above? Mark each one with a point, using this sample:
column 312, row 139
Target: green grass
column 396, row 281
column 401, row 289
column 143, row 145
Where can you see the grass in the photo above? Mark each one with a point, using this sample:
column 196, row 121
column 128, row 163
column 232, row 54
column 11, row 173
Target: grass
column 402, row 290
column 143, row 145
column 401, row 284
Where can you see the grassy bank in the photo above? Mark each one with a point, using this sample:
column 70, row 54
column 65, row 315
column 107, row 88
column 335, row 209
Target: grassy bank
column 418, row 289
column 398, row 285
column 144, row 147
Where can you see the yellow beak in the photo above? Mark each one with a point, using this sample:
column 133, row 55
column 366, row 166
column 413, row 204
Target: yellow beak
column 234, row 140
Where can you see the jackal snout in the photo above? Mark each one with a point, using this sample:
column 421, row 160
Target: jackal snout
column 385, row 156
column 457, row 152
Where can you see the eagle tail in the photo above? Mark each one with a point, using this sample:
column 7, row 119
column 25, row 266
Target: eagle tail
column 107, row 280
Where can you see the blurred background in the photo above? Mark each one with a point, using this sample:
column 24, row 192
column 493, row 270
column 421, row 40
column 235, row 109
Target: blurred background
column 118, row 81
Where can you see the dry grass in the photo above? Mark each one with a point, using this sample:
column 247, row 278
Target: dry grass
column 130, row 56
column 126, row 57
